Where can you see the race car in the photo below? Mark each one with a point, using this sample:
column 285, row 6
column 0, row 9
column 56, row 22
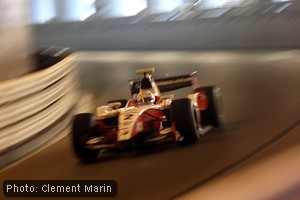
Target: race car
column 149, row 118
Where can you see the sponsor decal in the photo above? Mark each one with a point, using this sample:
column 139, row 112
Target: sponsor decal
column 165, row 131
column 161, row 83
column 156, row 139
column 174, row 81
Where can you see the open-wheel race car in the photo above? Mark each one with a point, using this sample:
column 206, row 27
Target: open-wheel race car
column 149, row 118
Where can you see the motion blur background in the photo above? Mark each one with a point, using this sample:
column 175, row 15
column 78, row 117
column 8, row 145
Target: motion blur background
column 142, row 25
column 248, row 48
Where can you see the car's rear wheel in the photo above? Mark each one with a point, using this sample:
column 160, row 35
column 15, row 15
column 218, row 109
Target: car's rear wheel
column 183, row 114
column 214, row 114
column 83, row 127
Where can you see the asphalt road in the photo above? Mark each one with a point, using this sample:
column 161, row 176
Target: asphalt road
column 261, row 99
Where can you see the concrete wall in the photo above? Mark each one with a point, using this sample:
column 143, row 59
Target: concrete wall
column 271, row 31
column 15, row 39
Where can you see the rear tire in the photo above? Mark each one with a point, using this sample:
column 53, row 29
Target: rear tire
column 214, row 114
column 83, row 127
column 183, row 114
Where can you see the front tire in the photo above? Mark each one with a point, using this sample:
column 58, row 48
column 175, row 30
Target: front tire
column 83, row 127
column 183, row 114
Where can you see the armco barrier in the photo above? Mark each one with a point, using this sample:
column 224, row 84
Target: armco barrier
column 36, row 108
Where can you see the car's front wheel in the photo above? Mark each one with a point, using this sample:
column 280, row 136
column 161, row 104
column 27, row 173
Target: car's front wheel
column 83, row 128
column 183, row 114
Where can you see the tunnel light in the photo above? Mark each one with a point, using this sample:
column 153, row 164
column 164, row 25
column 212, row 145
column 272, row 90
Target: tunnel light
column 42, row 11
column 282, row 8
column 221, row 3
column 217, row 3
column 130, row 7
column 87, row 14
column 278, row 1
column 88, row 9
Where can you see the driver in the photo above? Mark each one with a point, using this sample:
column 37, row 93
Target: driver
column 146, row 96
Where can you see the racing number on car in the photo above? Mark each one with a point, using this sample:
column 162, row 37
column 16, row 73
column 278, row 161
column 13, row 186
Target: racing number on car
column 128, row 116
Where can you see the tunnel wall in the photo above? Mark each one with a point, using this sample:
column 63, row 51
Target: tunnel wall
column 252, row 32
column 15, row 39
column 35, row 109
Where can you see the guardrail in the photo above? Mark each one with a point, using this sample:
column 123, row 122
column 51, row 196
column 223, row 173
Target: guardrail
column 36, row 108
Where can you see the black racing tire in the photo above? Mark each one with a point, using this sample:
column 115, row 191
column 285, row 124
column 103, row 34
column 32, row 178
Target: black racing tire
column 122, row 101
column 183, row 114
column 84, row 127
column 214, row 114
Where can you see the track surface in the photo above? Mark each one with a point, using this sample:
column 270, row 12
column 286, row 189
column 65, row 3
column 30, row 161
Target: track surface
column 261, row 98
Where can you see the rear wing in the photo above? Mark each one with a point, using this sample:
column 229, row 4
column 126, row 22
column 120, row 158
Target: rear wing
column 169, row 83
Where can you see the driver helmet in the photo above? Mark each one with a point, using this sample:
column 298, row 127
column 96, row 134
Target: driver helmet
column 146, row 96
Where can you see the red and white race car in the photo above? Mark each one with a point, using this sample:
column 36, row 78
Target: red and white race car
column 149, row 118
